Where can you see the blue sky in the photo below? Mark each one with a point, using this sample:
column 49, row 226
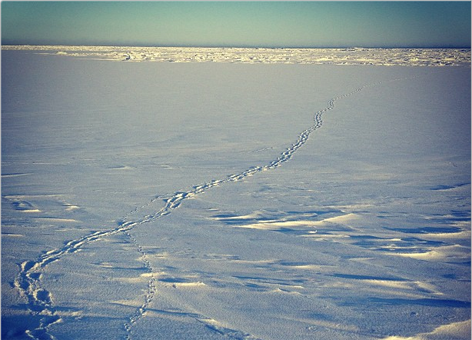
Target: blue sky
column 258, row 24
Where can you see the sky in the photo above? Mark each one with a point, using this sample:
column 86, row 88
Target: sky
column 238, row 24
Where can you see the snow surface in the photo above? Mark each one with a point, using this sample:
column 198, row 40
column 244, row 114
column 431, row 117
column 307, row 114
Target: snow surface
column 159, row 200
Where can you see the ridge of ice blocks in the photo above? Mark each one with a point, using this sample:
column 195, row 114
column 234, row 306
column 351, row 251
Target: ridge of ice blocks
column 329, row 56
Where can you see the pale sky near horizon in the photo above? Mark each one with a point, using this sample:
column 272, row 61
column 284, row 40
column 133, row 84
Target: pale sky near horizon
column 255, row 24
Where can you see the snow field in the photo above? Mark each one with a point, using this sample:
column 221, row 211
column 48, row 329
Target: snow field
column 242, row 201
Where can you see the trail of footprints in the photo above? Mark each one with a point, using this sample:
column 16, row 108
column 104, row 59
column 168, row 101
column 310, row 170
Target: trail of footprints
column 28, row 281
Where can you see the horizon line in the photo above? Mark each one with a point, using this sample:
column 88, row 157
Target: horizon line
column 244, row 46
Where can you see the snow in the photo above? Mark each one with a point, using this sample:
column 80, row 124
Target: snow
column 333, row 56
column 159, row 200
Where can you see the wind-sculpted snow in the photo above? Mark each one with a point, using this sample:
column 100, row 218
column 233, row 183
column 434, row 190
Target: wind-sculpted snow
column 326, row 56
column 162, row 232
column 28, row 281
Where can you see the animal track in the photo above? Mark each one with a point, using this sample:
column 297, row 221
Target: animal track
column 40, row 301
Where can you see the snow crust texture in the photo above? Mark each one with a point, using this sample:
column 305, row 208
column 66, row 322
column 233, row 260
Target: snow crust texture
column 216, row 201
column 330, row 56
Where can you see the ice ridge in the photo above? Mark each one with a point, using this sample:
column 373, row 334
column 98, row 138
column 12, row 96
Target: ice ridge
column 330, row 56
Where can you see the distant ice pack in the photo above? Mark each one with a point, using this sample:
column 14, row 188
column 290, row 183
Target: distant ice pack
column 333, row 56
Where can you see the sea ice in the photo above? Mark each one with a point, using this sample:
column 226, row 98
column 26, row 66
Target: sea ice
column 221, row 200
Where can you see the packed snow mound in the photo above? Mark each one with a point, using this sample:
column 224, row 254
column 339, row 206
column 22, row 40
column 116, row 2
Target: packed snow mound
column 331, row 56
